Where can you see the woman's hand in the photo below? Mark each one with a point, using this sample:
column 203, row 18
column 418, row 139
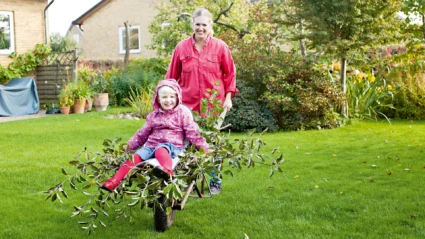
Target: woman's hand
column 228, row 102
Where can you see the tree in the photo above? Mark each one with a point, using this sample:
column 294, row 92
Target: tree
column 59, row 43
column 340, row 28
column 173, row 22
column 415, row 11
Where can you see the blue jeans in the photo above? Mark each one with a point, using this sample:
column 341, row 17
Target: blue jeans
column 148, row 153
column 218, row 182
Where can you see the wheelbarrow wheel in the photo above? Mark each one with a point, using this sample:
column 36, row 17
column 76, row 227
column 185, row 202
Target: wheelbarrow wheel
column 162, row 220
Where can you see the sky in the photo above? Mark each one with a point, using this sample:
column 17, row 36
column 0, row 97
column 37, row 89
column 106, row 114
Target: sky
column 62, row 12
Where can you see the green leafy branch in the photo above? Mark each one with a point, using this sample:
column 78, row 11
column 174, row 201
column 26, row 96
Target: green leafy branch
column 24, row 63
column 140, row 189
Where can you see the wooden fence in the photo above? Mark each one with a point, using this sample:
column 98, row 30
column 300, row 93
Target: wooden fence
column 53, row 73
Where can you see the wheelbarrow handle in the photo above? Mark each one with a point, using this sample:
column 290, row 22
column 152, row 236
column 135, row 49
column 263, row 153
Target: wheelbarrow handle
column 221, row 119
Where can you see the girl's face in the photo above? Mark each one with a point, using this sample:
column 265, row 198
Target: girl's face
column 167, row 98
column 202, row 27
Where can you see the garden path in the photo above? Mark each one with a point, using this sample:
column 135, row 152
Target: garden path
column 41, row 113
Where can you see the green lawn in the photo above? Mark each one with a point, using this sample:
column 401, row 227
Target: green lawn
column 362, row 181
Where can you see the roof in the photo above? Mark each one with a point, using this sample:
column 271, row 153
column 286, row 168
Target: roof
column 80, row 20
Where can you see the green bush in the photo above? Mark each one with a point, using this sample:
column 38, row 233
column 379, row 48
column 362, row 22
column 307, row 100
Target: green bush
column 23, row 64
column 60, row 43
column 302, row 96
column 248, row 112
column 367, row 96
column 403, row 68
column 141, row 74
column 141, row 101
column 409, row 99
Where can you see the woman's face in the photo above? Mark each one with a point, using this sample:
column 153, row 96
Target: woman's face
column 202, row 27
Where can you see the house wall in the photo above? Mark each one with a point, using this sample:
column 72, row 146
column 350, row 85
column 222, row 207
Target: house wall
column 28, row 24
column 100, row 39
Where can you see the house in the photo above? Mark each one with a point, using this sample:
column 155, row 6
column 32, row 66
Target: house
column 100, row 32
column 22, row 26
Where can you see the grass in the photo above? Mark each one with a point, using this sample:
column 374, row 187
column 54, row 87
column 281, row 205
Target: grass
column 361, row 181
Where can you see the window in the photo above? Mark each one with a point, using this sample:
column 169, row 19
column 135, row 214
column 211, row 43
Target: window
column 7, row 40
column 134, row 39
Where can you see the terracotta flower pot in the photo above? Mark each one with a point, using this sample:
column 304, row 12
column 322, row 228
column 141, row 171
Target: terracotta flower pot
column 65, row 110
column 101, row 101
column 79, row 105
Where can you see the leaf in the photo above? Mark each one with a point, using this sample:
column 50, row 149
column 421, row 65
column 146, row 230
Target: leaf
column 105, row 213
column 55, row 196
column 279, row 159
column 75, row 214
column 64, row 171
column 72, row 185
column 271, row 172
column 87, row 186
column 77, row 155
column 63, row 193
column 48, row 196
column 94, row 210
column 78, row 208
column 133, row 203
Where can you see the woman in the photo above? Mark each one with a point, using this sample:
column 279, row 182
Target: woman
column 203, row 62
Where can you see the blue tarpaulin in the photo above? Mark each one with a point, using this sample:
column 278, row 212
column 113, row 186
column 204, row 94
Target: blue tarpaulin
column 19, row 97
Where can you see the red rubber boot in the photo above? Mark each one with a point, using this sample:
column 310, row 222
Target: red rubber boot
column 113, row 182
column 163, row 157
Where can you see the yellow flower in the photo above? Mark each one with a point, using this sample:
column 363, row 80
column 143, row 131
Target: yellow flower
column 371, row 78
column 389, row 87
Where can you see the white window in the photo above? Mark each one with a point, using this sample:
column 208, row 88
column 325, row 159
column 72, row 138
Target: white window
column 134, row 39
column 163, row 26
column 7, row 34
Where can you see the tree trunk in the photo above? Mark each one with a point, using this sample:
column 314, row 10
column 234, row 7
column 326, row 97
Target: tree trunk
column 423, row 25
column 302, row 43
column 127, row 45
column 343, row 79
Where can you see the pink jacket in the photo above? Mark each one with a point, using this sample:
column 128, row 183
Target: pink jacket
column 171, row 126
column 197, row 71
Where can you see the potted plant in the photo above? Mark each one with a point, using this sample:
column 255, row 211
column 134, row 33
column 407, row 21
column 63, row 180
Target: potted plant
column 80, row 91
column 100, row 87
column 66, row 98
column 89, row 100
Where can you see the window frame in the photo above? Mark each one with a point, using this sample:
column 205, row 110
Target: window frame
column 12, row 34
column 121, row 40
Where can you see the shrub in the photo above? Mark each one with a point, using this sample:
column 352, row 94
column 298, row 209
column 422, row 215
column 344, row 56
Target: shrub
column 141, row 101
column 24, row 63
column 140, row 74
column 302, row 96
column 367, row 96
column 60, row 43
column 409, row 98
column 248, row 112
